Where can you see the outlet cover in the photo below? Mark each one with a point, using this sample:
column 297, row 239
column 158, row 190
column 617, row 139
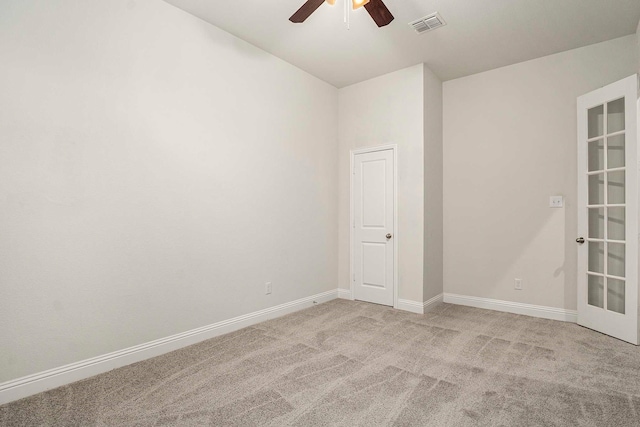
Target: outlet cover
column 267, row 288
column 518, row 284
column 556, row 202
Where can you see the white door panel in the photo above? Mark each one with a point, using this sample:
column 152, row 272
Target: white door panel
column 608, row 210
column 373, row 221
column 372, row 183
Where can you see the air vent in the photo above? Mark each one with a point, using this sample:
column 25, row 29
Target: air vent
column 428, row 23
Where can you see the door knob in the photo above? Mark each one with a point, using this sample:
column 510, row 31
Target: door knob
column 389, row 235
column 580, row 240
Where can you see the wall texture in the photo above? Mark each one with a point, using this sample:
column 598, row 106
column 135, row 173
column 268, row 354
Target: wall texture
column 509, row 144
column 387, row 110
column 433, row 261
column 146, row 160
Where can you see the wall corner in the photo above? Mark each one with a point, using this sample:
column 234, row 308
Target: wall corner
column 433, row 184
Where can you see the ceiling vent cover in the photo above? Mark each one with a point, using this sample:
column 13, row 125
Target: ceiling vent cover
column 428, row 23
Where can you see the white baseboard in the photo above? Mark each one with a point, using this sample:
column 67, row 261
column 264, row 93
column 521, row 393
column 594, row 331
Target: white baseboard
column 419, row 307
column 403, row 304
column 412, row 306
column 552, row 313
column 345, row 294
column 430, row 303
column 42, row 381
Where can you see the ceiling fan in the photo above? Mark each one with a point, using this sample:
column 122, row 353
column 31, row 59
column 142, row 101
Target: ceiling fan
column 376, row 8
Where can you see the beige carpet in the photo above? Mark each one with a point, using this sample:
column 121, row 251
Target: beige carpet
column 355, row 364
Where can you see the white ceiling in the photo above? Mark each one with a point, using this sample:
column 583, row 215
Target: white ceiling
column 480, row 34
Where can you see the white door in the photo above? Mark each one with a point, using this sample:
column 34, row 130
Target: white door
column 608, row 210
column 373, row 219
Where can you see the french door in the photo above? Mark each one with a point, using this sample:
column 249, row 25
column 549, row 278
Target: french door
column 608, row 210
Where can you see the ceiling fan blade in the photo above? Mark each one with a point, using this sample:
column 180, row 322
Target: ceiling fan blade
column 305, row 11
column 379, row 12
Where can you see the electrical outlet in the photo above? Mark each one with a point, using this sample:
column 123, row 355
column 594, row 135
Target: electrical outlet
column 556, row 202
column 518, row 284
column 267, row 288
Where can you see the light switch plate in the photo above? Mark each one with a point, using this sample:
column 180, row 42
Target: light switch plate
column 556, row 202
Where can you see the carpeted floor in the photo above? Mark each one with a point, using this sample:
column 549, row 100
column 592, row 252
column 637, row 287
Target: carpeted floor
column 356, row 364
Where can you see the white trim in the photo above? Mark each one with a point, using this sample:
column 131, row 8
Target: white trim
column 374, row 148
column 431, row 303
column 345, row 294
column 352, row 153
column 552, row 313
column 403, row 304
column 412, row 306
column 52, row 378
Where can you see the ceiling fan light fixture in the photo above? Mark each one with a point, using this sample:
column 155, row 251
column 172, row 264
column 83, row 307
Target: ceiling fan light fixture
column 359, row 3
column 375, row 8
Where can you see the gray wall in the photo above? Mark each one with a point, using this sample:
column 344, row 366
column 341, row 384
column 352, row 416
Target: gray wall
column 388, row 110
column 433, row 260
column 509, row 144
column 154, row 173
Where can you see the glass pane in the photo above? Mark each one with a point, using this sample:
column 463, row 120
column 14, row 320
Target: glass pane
column 595, row 291
column 596, row 223
column 615, row 295
column 615, row 151
column 615, row 259
column 615, row 224
column 615, row 187
column 596, row 121
column 596, row 155
column 596, row 257
column 596, row 189
column 615, row 116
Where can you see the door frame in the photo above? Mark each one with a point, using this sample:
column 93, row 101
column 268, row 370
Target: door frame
column 354, row 152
